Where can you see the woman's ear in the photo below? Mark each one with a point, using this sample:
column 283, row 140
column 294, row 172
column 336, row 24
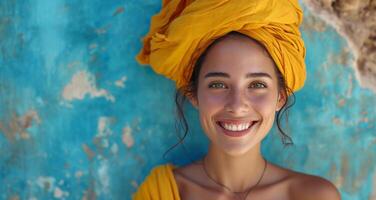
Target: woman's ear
column 282, row 98
column 193, row 101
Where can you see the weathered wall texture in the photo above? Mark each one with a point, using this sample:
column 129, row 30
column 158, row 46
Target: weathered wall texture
column 355, row 20
column 79, row 119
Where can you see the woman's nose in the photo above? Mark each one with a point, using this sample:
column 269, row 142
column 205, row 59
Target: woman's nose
column 237, row 103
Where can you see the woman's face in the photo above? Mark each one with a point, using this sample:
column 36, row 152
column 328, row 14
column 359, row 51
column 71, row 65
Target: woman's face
column 237, row 94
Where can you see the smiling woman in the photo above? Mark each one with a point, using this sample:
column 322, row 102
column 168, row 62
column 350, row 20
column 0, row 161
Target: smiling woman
column 239, row 79
column 237, row 104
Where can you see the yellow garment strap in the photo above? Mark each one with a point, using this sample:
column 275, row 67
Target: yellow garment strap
column 160, row 184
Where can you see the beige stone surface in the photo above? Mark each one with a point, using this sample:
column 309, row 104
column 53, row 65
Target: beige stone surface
column 355, row 20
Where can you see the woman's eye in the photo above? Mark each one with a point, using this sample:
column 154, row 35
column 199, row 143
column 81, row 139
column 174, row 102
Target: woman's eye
column 217, row 85
column 257, row 85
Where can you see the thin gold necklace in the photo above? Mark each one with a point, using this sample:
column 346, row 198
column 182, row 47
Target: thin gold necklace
column 237, row 194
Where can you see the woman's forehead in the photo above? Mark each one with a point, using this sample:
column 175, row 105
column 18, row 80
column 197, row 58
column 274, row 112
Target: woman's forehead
column 237, row 51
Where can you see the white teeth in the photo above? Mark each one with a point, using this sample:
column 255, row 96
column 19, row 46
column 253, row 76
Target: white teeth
column 234, row 127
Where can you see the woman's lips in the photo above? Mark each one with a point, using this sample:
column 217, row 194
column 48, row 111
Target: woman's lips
column 236, row 128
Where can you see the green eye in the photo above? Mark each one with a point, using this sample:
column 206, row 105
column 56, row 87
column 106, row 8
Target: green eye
column 257, row 85
column 217, row 85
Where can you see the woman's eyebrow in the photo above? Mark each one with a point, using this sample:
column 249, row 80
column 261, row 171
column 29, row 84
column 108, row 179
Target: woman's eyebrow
column 248, row 75
column 258, row 74
column 217, row 74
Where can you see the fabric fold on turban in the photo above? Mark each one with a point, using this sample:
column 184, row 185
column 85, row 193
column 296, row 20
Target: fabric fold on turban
column 183, row 29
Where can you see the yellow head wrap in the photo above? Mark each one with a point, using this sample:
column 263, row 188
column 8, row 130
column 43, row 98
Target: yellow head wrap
column 185, row 28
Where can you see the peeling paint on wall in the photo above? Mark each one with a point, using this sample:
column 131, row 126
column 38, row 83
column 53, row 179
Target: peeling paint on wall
column 89, row 153
column 118, row 11
column 82, row 84
column 120, row 83
column 89, row 195
column 49, row 184
column 127, row 137
column 16, row 127
column 355, row 20
column 104, row 178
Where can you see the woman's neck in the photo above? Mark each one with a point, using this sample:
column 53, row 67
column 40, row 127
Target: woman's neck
column 238, row 173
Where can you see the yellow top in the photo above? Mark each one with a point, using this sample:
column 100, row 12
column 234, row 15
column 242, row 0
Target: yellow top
column 160, row 184
column 183, row 29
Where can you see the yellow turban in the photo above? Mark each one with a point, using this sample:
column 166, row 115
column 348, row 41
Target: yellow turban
column 185, row 28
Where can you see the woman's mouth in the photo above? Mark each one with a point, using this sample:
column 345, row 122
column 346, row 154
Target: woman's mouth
column 236, row 129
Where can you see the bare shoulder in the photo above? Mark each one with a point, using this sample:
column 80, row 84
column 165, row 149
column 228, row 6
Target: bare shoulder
column 279, row 183
column 307, row 187
column 190, row 171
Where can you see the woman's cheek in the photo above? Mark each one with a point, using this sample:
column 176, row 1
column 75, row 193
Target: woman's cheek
column 259, row 98
column 262, row 102
column 211, row 99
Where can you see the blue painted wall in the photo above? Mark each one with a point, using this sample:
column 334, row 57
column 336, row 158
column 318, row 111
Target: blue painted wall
column 79, row 119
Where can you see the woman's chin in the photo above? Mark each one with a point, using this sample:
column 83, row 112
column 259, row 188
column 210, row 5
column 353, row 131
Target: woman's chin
column 234, row 149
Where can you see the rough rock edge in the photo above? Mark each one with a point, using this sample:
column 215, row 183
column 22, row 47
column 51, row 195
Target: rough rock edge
column 353, row 20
